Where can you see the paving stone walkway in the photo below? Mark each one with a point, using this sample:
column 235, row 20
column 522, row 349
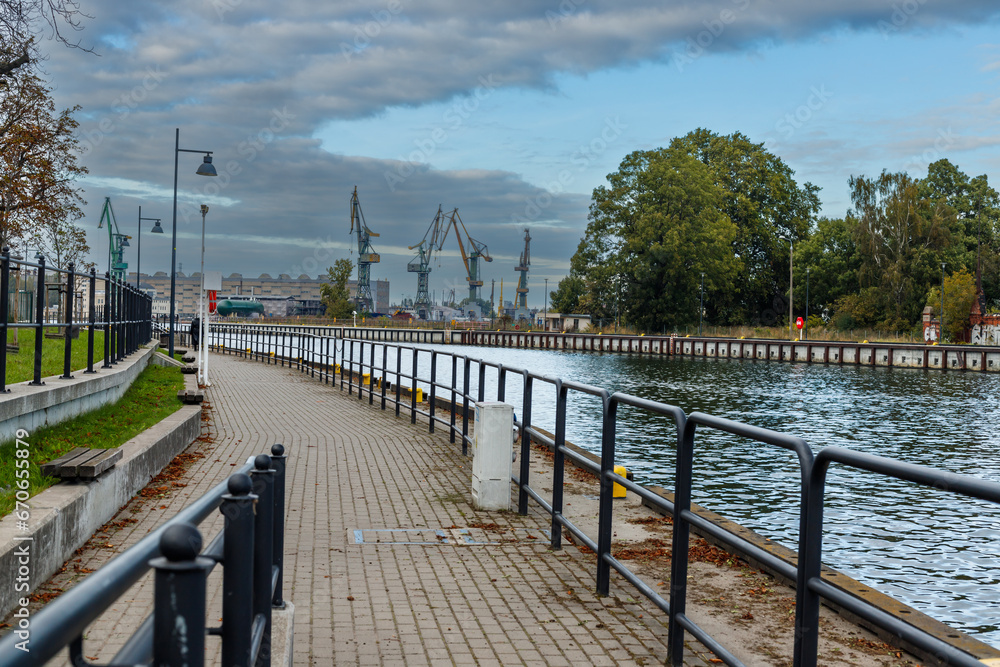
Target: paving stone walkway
column 377, row 565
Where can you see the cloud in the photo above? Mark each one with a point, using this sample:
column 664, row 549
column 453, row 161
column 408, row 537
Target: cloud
column 254, row 80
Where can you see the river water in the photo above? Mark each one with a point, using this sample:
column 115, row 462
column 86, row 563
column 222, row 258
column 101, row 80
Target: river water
column 939, row 553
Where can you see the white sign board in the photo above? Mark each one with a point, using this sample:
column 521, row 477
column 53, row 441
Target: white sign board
column 213, row 280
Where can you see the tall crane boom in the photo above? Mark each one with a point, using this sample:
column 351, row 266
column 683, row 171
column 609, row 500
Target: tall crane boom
column 522, row 268
column 117, row 241
column 421, row 265
column 366, row 255
column 477, row 250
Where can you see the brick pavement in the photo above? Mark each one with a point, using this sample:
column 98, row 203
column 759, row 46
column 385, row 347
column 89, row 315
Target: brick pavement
column 411, row 597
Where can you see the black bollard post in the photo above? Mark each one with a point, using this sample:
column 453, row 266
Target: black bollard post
column 278, row 461
column 237, row 573
column 179, row 598
column 263, row 551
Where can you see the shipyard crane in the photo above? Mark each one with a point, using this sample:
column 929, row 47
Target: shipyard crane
column 477, row 250
column 421, row 265
column 522, row 282
column 117, row 242
column 366, row 256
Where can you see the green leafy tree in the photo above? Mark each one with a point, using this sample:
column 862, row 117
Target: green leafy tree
column 977, row 207
column 902, row 238
column 959, row 294
column 764, row 202
column 566, row 298
column 653, row 230
column 334, row 291
column 831, row 256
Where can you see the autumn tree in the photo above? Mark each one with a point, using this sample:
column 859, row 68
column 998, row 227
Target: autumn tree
column 959, row 294
column 334, row 291
column 38, row 162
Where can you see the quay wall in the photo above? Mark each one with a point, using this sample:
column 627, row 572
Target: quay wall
column 899, row 355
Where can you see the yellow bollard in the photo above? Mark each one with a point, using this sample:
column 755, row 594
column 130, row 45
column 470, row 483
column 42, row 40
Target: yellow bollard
column 618, row 491
column 366, row 379
column 420, row 395
column 248, row 350
column 336, row 368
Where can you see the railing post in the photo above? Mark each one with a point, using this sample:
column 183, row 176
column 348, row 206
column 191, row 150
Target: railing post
column 558, row 465
column 91, row 318
column 237, row 572
column 413, row 390
column 681, row 536
column 432, row 401
column 606, row 508
column 263, row 551
column 453, row 383
column 399, row 377
column 465, row 408
column 278, row 462
column 179, row 598
column 39, row 322
column 385, row 352
column 522, row 490
column 107, row 321
column 4, row 313
column 68, row 347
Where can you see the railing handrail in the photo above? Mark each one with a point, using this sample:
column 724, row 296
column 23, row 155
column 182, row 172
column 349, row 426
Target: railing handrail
column 809, row 587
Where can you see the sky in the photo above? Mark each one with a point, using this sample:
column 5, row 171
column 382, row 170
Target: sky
column 512, row 112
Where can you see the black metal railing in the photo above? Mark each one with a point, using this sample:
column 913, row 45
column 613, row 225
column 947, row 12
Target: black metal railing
column 249, row 547
column 67, row 300
column 367, row 372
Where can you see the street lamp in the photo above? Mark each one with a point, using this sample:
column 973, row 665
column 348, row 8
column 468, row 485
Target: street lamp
column 701, row 303
column 807, row 302
column 202, row 316
column 941, row 327
column 791, row 293
column 545, row 312
column 157, row 229
column 206, row 169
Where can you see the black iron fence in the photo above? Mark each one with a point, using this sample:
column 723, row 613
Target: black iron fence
column 369, row 369
column 250, row 548
column 63, row 301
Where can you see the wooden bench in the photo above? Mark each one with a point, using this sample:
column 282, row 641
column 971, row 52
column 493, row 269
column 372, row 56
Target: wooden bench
column 82, row 463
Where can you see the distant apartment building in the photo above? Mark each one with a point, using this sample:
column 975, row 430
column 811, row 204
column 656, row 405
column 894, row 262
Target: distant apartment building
column 303, row 290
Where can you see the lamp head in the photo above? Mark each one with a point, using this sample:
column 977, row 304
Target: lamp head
column 125, row 242
column 157, row 229
column 207, row 168
column 204, row 209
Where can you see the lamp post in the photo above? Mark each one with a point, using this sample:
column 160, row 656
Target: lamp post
column 807, row 302
column 157, row 229
column 202, row 315
column 545, row 312
column 701, row 303
column 941, row 326
column 206, row 169
column 791, row 285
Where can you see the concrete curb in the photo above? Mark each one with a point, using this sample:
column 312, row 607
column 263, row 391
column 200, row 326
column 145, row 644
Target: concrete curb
column 31, row 407
column 66, row 515
column 282, row 635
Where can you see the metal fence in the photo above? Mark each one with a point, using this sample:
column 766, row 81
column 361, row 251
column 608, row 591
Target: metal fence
column 250, row 547
column 38, row 298
column 364, row 367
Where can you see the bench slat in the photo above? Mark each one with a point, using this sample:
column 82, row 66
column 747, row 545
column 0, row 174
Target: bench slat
column 51, row 468
column 82, row 462
column 99, row 464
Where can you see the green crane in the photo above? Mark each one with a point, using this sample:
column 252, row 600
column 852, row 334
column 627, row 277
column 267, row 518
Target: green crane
column 117, row 242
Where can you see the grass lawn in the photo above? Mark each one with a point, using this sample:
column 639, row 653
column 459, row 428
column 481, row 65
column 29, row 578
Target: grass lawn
column 21, row 364
column 151, row 398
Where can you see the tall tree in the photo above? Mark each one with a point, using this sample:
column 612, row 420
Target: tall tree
column 334, row 293
column 831, row 256
column 566, row 298
column 652, row 233
column 765, row 203
column 902, row 238
column 24, row 22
